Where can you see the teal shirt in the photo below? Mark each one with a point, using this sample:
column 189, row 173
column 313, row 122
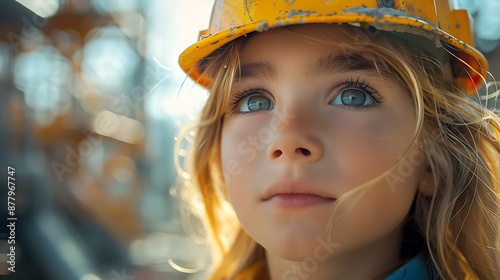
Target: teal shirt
column 412, row 270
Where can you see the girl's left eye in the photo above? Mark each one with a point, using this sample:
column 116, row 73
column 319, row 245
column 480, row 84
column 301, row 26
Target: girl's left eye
column 354, row 97
column 254, row 103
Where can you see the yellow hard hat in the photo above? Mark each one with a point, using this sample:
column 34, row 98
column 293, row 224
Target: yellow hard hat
column 234, row 18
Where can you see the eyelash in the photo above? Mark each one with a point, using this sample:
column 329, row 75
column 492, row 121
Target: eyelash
column 242, row 94
column 359, row 84
column 350, row 83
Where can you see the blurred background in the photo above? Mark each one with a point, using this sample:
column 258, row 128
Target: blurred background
column 91, row 100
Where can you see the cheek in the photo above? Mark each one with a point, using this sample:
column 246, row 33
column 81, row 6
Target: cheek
column 240, row 149
column 241, row 144
column 371, row 215
column 365, row 145
column 378, row 127
column 230, row 160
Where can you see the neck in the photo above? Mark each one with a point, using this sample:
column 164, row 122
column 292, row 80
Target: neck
column 373, row 261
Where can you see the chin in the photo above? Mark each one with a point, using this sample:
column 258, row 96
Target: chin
column 290, row 254
column 295, row 246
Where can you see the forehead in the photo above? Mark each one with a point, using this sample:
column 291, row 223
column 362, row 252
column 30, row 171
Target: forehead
column 308, row 50
column 307, row 39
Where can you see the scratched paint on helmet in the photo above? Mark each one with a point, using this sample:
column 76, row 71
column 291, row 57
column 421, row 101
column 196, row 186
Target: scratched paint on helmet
column 386, row 4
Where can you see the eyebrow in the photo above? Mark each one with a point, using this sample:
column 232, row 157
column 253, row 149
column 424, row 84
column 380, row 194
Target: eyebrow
column 257, row 70
column 341, row 63
column 333, row 63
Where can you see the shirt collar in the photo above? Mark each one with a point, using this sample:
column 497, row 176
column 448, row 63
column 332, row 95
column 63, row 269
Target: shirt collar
column 412, row 270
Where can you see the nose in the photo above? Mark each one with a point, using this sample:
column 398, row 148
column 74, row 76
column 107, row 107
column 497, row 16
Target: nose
column 293, row 145
column 297, row 133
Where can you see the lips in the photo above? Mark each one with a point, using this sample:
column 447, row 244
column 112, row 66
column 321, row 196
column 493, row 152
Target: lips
column 296, row 193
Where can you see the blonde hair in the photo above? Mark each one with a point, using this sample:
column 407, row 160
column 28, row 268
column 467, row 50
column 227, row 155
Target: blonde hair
column 459, row 224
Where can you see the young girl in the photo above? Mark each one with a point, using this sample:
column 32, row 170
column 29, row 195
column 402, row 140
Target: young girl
column 354, row 150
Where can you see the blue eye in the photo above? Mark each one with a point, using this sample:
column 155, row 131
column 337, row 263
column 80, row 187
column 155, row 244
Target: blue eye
column 353, row 97
column 254, row 103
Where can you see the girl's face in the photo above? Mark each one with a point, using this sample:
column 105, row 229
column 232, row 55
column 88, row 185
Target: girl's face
column 306, row 124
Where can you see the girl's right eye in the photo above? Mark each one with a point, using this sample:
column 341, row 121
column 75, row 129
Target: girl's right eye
column 254, row 101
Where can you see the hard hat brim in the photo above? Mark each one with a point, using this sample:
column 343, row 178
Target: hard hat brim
column 467, row 57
